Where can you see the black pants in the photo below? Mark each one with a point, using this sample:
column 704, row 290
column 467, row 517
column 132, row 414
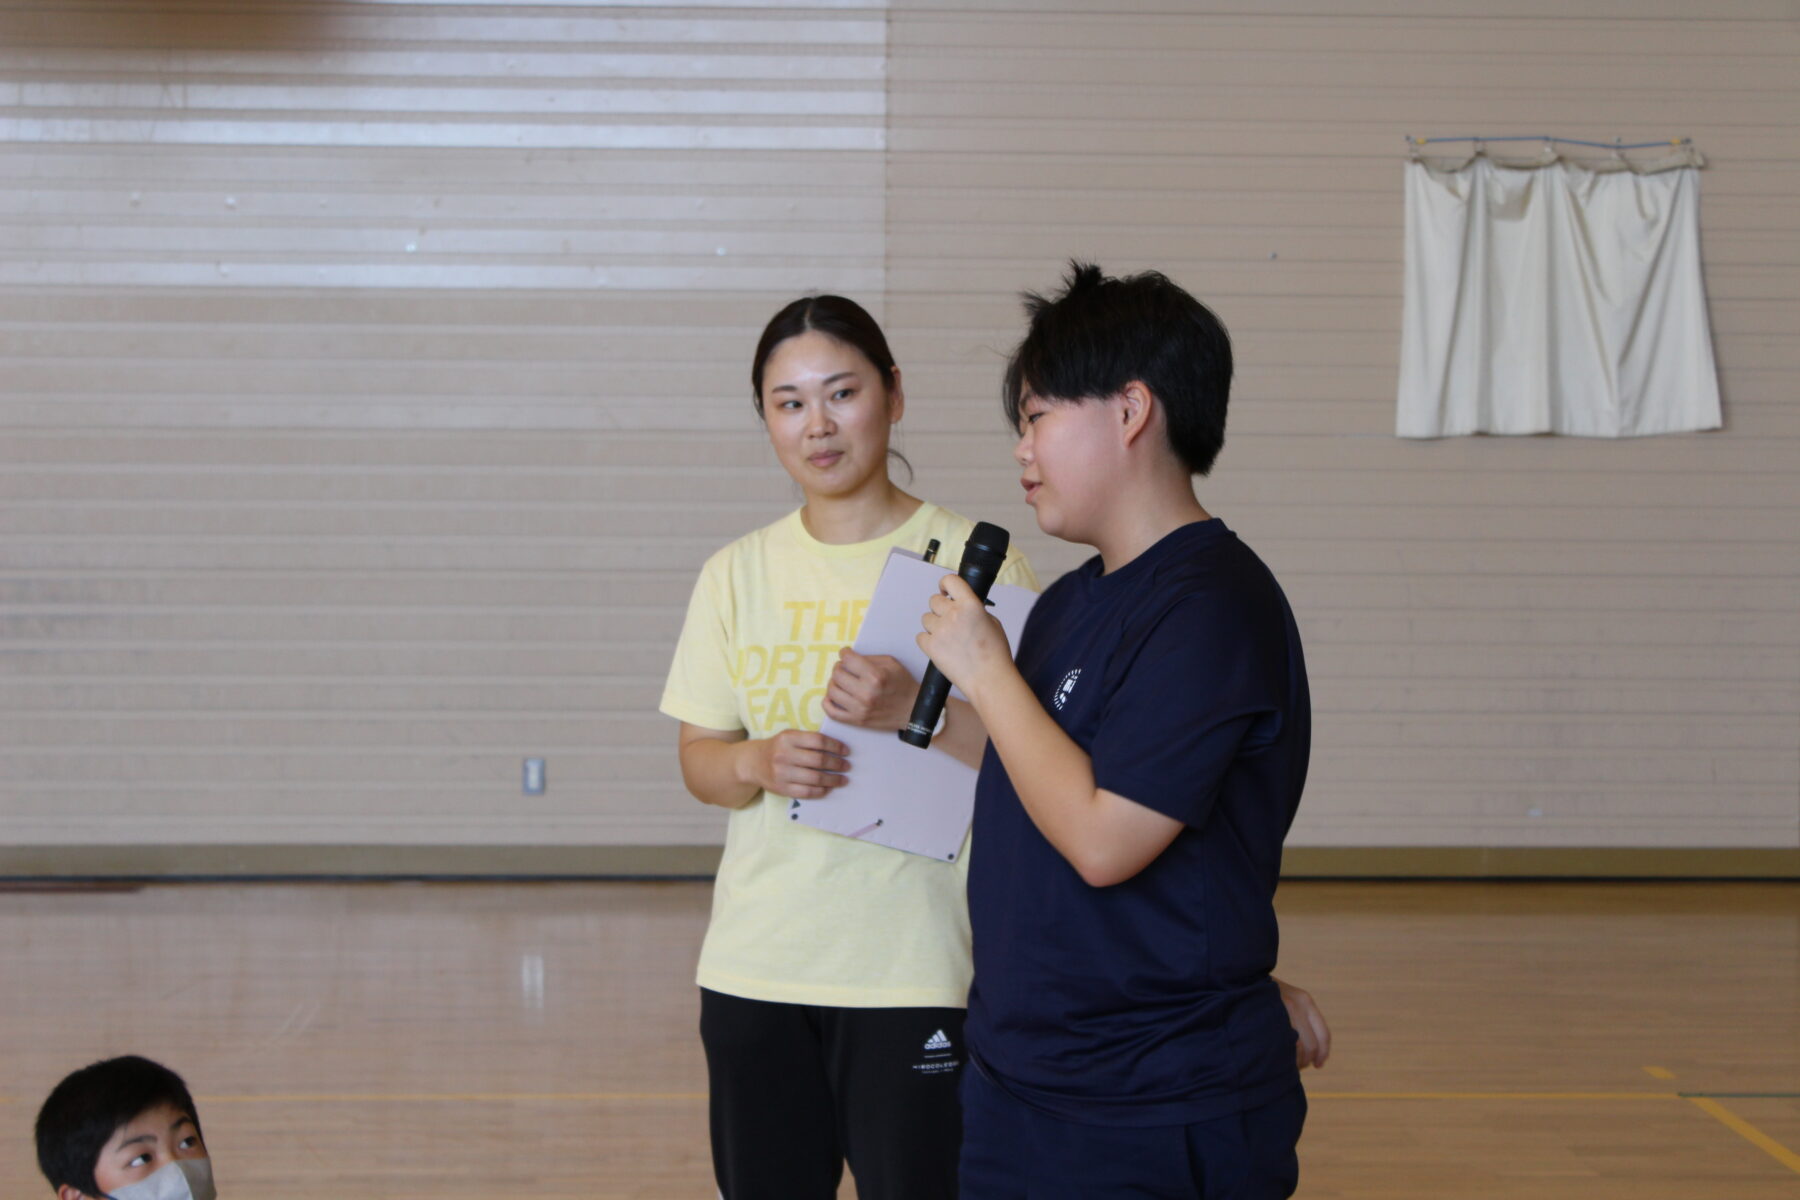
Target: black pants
column 798, row 1089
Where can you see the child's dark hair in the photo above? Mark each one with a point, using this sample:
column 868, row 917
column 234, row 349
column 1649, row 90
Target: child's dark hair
column 836, row 317
column 1101, row 333
column 90, row 1105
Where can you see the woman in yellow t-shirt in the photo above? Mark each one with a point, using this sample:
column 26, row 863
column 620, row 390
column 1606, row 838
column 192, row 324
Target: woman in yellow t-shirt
column 835, row 972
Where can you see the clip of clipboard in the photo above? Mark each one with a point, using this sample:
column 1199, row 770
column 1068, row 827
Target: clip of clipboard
column 919, row 801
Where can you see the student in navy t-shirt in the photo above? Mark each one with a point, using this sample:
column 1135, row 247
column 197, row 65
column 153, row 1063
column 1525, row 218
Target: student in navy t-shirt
column 1147, row 755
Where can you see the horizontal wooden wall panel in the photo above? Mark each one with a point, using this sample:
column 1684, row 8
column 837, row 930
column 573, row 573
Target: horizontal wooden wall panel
column 276, row 521
column 373, row 381
column 316, row 25
column 1513, row 642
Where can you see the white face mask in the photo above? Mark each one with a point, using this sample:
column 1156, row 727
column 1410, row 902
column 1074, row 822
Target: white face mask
column 182, row 1179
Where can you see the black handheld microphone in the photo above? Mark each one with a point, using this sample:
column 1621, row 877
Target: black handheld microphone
column 982, row 555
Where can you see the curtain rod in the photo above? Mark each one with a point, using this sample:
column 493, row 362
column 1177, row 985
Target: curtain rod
column 1613, row 145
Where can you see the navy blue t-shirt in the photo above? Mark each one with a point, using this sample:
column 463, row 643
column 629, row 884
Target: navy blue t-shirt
column 1150, row 1002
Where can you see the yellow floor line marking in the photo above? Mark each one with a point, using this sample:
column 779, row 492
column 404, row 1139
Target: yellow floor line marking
column 1312, row 1095
column 1748, row 1132
column 1659, row 1072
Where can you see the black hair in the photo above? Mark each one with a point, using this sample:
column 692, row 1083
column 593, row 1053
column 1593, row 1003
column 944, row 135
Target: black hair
column 1101, row 333
column 90, row 1105
column 837, row 317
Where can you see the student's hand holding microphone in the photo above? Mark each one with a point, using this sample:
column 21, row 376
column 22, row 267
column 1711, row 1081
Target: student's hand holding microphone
column 963, row 639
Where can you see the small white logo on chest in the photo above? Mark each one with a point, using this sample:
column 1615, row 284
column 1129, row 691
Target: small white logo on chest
column 1064, row 688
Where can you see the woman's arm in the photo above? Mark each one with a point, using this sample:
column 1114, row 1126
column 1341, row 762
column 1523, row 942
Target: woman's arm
column 727, row 768
column 964, row 737
column 1106, row 837
column 875, row 691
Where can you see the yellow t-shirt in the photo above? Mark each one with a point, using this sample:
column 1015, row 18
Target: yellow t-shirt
column 801, row 916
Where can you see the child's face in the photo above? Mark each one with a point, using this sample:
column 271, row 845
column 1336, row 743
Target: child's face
column 1066, row 451
column 151, row 1140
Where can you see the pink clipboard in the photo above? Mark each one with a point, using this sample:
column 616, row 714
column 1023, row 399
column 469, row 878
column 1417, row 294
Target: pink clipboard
column 919, row 801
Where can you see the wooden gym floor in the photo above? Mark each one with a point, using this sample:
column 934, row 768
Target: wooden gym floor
column 453, row 1041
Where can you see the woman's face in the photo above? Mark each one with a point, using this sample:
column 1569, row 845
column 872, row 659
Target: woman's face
column 829, row 412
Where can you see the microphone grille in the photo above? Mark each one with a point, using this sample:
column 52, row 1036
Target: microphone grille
column 990, row 538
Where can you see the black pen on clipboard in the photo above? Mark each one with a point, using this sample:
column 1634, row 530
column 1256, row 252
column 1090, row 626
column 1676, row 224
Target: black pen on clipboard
column 931, row 549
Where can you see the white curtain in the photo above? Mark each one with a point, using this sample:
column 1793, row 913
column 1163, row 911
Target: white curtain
column 1554, row 298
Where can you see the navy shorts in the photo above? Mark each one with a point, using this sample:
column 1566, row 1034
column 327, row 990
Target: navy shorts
column 1012, row 1151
